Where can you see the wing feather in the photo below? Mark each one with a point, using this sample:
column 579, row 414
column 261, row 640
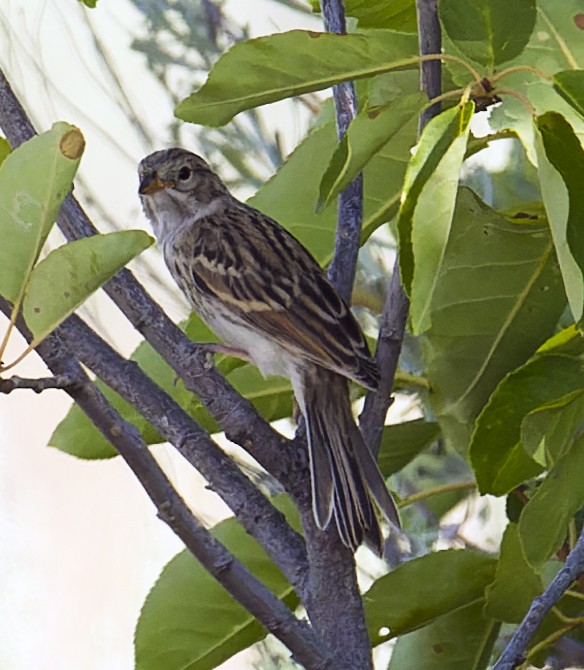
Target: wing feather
column 254, row 267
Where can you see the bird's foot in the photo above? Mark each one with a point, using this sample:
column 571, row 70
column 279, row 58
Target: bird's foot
column 216, row 348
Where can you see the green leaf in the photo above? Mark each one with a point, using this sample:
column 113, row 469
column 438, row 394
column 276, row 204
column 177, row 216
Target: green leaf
column 560, row 163
column 498, row 458
column 369, row 132
column 89, row 3
column 516, row 583
column 5, row 149
column 460, row 640
column 77, row 435
column 428, row 202
column 437, row 137
column 548, row 431
column 273, row 398
column 402, row 442
column 400, row 601
column 555, row 44
column 498, row 295
column 544, row 522
column 489, row 32
column 263, row 70
column 570, row 85
column 71, row 273
column 189, row 622
column 291, row 195
column 34, row 180
column 395, row 15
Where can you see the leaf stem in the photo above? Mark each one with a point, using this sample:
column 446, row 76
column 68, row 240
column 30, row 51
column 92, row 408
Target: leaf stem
column 444, row 96
column 519, row 68
column 447, row 488
column 568, row 620
column 520, row 96
column 20, row 358
column 407, row 379
column 550, row 639
column 452, row 59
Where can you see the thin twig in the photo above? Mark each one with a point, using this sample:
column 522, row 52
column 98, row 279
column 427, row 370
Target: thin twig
column 36, row 385
column 343, row 266
column 397, row 304
column 515, row 651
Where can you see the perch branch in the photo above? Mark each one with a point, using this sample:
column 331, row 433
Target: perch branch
column 514, row 653
column 239, row 419
column 259, row 517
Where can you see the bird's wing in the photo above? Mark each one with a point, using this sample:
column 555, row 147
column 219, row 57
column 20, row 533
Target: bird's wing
column 256, row 268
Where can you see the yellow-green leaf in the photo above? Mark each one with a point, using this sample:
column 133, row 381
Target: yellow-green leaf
column 71, row 273
column 34, row 180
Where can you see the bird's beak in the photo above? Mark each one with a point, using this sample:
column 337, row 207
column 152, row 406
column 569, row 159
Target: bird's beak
column 150, row 183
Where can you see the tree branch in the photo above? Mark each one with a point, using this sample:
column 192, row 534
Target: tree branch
column 397, row 305
column 430, row 42
column 343, row 266
column 256, row 513
column 218, row 561
column 514, row 653
column 36, row 385
column 339, row 620
column 259, row 517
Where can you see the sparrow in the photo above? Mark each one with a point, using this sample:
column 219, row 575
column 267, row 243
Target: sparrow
column 270, row 302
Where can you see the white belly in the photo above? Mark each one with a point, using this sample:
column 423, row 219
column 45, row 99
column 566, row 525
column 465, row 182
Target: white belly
column 270, row 358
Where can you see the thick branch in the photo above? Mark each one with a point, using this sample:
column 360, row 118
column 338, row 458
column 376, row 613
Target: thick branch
column 514, row 653
column 233, row 576
column 350, row 203
column 397, row 305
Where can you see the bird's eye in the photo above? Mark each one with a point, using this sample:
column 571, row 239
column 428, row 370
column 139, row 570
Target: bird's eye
column 184, row 173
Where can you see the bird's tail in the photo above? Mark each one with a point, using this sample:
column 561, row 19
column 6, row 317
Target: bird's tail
column 344, row 473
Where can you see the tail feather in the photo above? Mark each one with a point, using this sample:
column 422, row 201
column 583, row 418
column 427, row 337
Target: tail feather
column 344, row 473
column 321, row 473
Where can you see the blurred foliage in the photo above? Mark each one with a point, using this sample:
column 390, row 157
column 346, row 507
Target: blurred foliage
column 181, row 40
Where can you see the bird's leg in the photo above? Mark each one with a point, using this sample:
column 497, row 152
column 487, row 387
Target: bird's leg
column 216, row 348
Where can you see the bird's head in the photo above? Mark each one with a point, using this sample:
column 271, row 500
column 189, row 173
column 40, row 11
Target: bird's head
column 177, row 185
